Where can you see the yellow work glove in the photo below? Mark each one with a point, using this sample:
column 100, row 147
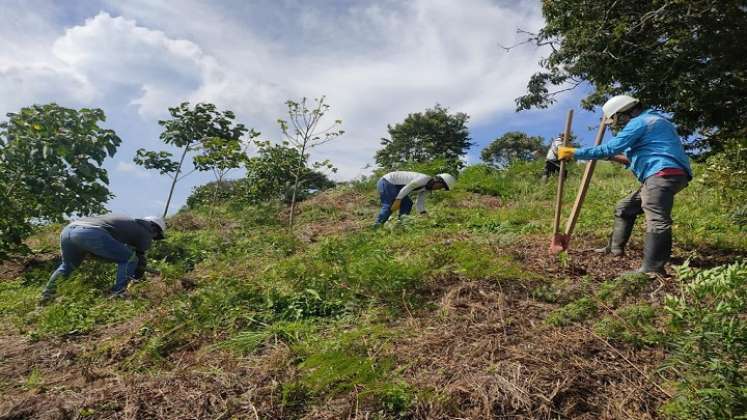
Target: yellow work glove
column 566, row 153
column 396, row 204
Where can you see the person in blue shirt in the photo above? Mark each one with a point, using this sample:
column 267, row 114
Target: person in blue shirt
column 650, row 147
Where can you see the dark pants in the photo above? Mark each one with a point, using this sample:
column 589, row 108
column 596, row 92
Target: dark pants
column 388, row 193
column 654, row 199
column 78, row 241
column 552, row 167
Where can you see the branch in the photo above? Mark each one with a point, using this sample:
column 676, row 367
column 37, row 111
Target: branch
column 185, row 175
column 511, row 47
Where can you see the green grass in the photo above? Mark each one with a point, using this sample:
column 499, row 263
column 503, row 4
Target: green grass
column 615, row 291
column 347, row 359
column 576, row 311
column 633, row 324
column 336, row 300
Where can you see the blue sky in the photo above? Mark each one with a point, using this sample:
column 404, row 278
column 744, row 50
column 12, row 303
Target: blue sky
column 376, row 61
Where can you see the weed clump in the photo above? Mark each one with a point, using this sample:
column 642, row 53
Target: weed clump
column 614, row 292
column 576, row 311
column 634, row 324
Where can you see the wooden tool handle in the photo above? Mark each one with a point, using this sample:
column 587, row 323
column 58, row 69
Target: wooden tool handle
column 585, row 181
column 561, row 176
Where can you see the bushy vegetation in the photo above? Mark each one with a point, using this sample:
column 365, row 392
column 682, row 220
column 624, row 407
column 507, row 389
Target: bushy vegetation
column 709, row 343
column 326, row 310
column 51, row 166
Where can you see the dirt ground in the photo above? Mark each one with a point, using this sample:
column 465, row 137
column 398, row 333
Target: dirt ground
column 481, row 350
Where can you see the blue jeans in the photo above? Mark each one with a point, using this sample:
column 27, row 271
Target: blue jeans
column 78, row 241
column 388, row 193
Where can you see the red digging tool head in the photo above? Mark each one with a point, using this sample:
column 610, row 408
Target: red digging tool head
column 559, row 243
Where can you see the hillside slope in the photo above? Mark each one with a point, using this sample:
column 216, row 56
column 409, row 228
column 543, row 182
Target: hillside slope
column 458, row 314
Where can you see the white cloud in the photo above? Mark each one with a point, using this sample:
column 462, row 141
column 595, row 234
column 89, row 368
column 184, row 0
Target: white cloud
column 143, row 66
column 375, row 61
column 131, row 168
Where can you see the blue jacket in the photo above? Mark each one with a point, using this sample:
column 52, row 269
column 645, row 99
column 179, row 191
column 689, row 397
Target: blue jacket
column 649, row 141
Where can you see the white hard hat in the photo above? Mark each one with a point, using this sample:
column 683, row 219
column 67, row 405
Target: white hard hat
column 159, row 221
column 619, row 103
column 449, row 180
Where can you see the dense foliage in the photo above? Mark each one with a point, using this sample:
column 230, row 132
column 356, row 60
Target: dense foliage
column 425, row 136
column 686, row 57
column 512, row 147
column 709, row 336
column 269, row 177
column 51, row 166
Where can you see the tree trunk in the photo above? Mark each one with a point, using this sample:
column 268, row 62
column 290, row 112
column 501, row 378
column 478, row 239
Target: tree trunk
column 293, row 203
column 176, row 178
column 295, row 186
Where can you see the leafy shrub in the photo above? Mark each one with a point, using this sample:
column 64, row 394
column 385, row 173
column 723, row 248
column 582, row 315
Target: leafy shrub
column 632, row 324
column 257, row 190
column 726, row 172
column 216, row 193
column 709, row 343
column 616, row 291
column 579, row 310
column 739, row 217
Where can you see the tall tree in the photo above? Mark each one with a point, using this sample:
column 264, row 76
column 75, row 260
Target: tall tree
column 511, row 147
column 421, row 137
column 202, row 129
column 686, row 57
column 51, row 161
column 303, row 131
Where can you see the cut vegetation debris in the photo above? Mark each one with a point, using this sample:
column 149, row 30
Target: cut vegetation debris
column 458, row 315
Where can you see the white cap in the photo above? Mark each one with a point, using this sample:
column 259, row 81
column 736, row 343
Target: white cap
column 449, row 180
column 619, row 103
column 158, row 220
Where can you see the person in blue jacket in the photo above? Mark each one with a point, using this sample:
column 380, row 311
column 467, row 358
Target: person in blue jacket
column 648, row 145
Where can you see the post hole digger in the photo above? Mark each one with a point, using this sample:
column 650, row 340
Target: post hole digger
column 561, row 241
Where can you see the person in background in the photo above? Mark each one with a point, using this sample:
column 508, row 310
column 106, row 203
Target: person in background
column 116, row 238
column 648, row 144
column 395, row 187
column 552, row 163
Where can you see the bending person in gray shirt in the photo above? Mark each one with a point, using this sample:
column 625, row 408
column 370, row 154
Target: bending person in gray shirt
column 116, row 238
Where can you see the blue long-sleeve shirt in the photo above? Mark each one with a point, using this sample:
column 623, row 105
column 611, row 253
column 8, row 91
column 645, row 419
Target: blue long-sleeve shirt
column 649, row 141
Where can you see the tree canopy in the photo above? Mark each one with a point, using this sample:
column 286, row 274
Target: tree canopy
column 685, row 57
column 202, row 129
column 511, row 147
column 422, row 137
column 270, row 175
column 51, row 166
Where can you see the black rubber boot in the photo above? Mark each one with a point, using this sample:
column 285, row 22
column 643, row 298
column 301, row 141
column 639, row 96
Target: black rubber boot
column 621, row 231
column 656, row 252
column 46, row 297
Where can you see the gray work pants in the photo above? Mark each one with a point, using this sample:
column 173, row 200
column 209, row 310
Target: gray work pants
column 655, row 199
